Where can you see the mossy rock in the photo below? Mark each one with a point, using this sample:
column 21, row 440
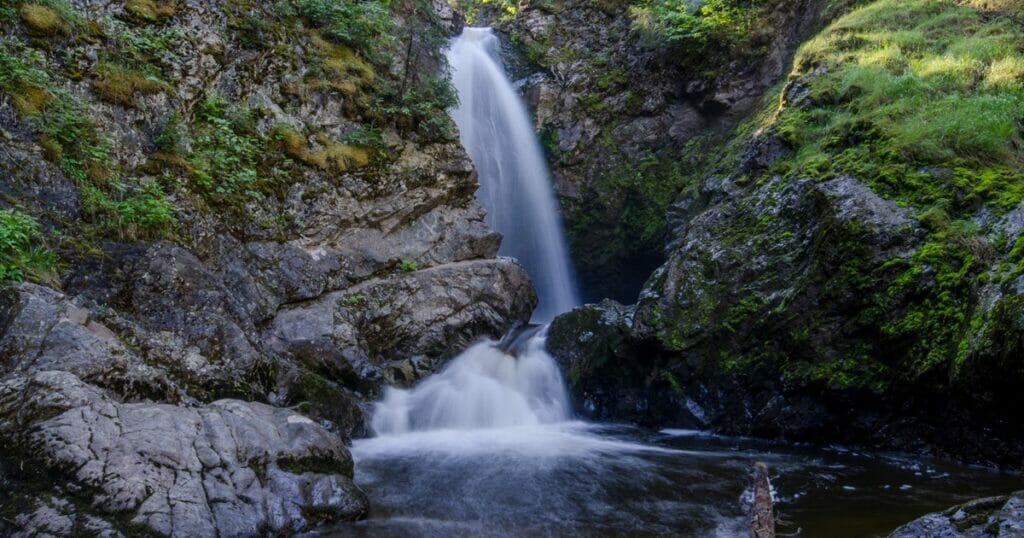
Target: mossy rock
column 41, row 21
column 344, row 70
column 120, row 85
column 31, row 99
column 328, row 155
column 150, row 10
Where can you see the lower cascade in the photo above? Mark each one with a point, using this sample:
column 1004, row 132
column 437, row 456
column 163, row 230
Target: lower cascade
column 484, row 387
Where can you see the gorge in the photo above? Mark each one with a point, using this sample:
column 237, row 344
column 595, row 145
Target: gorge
column 318, row 267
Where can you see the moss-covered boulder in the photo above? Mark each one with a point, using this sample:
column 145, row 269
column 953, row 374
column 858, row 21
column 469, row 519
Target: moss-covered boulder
column 847, row 266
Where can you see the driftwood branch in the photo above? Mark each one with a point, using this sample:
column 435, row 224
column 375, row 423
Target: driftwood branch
column 762, row 519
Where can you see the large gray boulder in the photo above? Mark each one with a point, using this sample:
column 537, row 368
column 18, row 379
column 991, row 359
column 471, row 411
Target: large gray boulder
column 400, row 328
column 230, row 468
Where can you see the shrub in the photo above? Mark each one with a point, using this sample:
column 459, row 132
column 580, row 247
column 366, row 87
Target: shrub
column 173, row 136
column 20, row 252
column 363, row 25
column 704, row 31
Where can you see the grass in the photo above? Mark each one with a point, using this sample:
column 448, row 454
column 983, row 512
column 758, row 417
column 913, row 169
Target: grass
column 328, row 154
column 338, row 67
column 41, row 20
column 922, row 100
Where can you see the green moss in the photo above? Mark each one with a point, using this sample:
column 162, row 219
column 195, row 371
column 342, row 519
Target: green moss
column 45, row 18
column 41, row 20
column 327, row 155
column 150, row 10
column 120, row 84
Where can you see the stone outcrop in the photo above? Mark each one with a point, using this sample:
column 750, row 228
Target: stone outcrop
column 200, row 373
column 614, row 112
column 227, row 468
column 820, row 285
column 992, row 517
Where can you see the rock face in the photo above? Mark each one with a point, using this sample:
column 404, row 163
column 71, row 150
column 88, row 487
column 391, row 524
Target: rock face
column 830, row 298
column 246, row 255
column 227, row 468
column 996, row 517
column 613, row 112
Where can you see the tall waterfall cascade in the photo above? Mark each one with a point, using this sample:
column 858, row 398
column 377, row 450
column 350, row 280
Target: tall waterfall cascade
column 515, row 184
column 514, row 382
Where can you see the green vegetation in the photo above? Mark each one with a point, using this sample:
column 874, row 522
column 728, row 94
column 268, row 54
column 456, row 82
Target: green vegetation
column 623, row 213
column 44, row 18
column 150, row 10
column 21, row 252
column 355, row 299
column 363, row 25
column 408, row 266
column 900, row 88
column 120, row 84
column 488, row 11
column 70, row 139
column 923, row 101
column 703, row 33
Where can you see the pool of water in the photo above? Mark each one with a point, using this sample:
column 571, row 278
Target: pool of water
column 607, row 480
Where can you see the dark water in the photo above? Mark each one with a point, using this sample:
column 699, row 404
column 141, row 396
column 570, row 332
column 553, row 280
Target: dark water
column 585, row 480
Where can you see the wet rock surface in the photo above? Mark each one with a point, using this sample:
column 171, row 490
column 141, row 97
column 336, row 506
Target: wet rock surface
column 996, row 517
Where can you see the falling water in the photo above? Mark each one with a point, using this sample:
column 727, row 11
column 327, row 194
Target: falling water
column 484, row 387
column 515, row 186
column 513, row 383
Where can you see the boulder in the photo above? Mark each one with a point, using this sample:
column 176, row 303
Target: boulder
column 991, row 517
column 229, row 468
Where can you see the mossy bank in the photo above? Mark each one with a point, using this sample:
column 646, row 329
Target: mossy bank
column 845, row 264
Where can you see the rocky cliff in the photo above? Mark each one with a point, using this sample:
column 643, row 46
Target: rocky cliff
column 617, row 108
column 845, row 266
column 233, row 222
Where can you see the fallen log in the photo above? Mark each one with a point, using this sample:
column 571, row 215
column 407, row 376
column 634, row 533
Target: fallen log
column 762, row 519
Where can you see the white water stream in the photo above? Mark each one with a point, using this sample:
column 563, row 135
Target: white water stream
column 515, row 185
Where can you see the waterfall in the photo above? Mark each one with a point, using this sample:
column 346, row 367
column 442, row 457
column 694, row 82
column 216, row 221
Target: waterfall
column 515, row 186
column 484, row 387
column 514, row 382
